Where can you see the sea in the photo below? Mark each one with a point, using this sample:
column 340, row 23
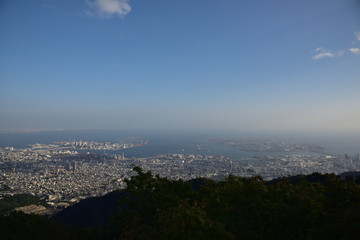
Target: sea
column 187, row 141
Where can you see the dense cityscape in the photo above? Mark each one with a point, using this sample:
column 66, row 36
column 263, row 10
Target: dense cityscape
column 124, row 119
column 63, row 173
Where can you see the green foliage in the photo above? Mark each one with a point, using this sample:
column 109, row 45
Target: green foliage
column 315, row 206
column 305, row 207
column 148, row 200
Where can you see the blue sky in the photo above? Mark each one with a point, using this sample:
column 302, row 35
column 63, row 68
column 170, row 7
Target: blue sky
column 242, row 65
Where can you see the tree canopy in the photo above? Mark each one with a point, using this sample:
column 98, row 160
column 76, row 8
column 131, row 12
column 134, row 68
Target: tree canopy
column 316, row 206
column 304, row 207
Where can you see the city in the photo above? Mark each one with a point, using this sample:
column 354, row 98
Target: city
column 63, row 173
column 124, row 119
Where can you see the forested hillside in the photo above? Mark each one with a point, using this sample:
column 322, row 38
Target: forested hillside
column 315, row 206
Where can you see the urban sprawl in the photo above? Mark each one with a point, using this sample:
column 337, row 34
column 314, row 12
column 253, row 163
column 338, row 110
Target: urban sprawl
column 66, row 172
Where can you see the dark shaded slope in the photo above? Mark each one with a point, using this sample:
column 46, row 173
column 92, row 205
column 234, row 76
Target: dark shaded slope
column 96, row 211
column 316, row 206
column 91, row 212
column 23, row 226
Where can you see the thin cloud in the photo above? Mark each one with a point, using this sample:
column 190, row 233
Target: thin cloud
column 108, row 8
column 355, row 50
column 357, row 35
column 322, row 53
column 341, row 53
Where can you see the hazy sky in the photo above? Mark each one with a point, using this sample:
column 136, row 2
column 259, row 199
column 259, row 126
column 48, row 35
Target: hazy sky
column 249, row 64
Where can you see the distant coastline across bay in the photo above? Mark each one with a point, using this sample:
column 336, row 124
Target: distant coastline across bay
column 180, row 140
